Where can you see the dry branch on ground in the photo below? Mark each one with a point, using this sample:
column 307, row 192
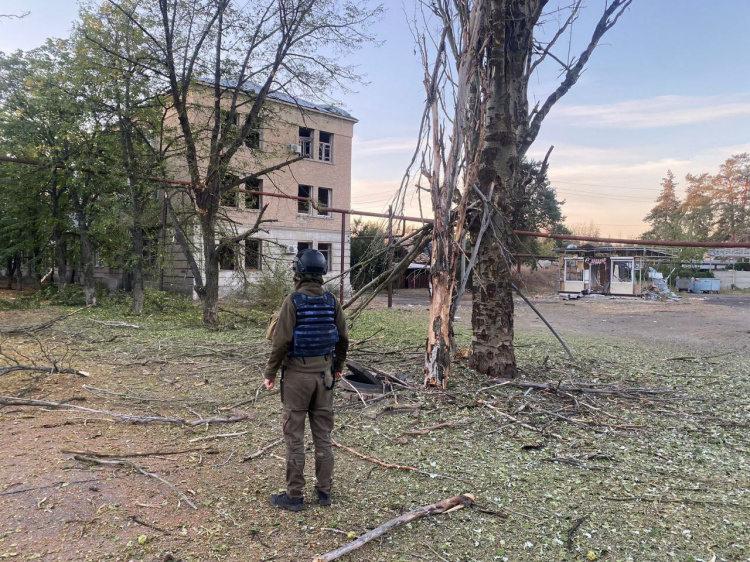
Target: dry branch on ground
column 445, row 506
column 128, row 464
column 16, row 401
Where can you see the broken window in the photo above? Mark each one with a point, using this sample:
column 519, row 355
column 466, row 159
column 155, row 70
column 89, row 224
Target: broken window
column 230, row 123
column 622, row 271
column 303, row 207
column 253, row 201
column 325, row 249
column 324, row 200
column 226, row 259
column 254, row 254
column 306, row 142
column 325, row 147
column 253, row 138
column 574, row 270
column 229, row 197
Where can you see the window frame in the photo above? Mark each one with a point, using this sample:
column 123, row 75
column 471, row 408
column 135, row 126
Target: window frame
column 233, row 192
column 329, row 204
column 306, row 143
column 258, row 254
column 304, row 207
column 226, row 253
column 259, row 198
column 256, row 135
column 324, row 147
column 327, row 252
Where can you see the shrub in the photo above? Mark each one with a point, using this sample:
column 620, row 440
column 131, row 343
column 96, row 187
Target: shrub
column 270, row 287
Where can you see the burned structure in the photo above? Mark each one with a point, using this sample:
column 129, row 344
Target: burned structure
column 606, row 270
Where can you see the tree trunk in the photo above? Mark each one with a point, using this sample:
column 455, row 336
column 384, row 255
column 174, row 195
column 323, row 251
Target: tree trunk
column 492, row 313
column 61, row 265
column 138, row 294
column 442, row 284
column 211, row 269
column 11, row 263
column 19, row 268
column 87, row 263
column 511, row 26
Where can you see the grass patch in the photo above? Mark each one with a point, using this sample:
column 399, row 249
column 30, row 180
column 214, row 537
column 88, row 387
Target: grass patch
column 649, row 476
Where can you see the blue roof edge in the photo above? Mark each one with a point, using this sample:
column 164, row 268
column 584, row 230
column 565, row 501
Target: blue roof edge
column 291, row 100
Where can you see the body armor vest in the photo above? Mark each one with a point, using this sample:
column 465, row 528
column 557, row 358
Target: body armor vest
column 315, row 332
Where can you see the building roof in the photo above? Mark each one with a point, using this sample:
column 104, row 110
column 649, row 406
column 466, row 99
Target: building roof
column 251, row 87
column 627, row 251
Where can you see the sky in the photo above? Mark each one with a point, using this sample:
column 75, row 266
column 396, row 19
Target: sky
column 667, row 89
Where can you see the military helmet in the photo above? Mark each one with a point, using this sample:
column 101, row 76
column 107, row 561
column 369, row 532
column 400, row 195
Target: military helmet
column 310, row 261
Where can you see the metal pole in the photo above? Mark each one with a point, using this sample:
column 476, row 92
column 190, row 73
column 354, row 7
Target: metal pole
column 390, row 254
column 343, row 246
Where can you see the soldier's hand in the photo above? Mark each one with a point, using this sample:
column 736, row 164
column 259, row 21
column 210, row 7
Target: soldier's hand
column 338, row 374
column 270, row 384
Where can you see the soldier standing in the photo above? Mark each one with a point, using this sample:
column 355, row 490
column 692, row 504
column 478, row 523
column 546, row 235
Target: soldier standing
column 309, row 344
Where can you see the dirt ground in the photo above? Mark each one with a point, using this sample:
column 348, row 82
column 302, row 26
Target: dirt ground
column 96, row 484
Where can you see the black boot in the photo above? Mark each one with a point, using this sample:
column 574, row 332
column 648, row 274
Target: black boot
column 285, row 502
column 323, row 498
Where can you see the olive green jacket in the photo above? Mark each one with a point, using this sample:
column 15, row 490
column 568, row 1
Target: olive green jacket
column 283, row 337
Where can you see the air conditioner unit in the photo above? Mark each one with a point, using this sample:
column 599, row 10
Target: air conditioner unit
column 291, row 249
column 297, row 149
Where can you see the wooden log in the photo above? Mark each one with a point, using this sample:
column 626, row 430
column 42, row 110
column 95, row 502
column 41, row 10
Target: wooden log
column 444, row 506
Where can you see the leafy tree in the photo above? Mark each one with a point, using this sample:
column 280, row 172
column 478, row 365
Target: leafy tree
column 39, row 121
column 369, row 256
column 111, row 63
column 697, row 209
column 542, row 211
column 731, row 194
column 237, row 54
column 666, row 217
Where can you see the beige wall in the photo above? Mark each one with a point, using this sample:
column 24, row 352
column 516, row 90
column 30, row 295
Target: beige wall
column 738, row 279
column 280, row 129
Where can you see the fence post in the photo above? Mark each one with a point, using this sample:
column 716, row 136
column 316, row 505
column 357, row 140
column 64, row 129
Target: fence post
column 390, row 254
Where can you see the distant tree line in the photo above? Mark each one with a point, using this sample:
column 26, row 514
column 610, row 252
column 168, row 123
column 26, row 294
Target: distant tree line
column 716, row 207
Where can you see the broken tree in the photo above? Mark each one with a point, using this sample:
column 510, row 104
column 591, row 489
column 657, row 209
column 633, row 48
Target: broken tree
column 488, row 52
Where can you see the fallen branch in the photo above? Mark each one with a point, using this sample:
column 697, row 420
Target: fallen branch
column 21, row 491
column 516, row 420
column 15, row 401
column 219, row 436
column 116, row 324
column 572, row 531
column 585, row 388
column 444, row 506
column 38, row 327
column 134, row 519
column 395, row 466
column 128, row 464
column 259, row 452
column 374, row 460
column 700, row 358
column 39, row 369
column 126, row 455
column 426, row 430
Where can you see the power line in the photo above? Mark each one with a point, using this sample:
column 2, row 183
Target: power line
column 605, row 196
column 601, row 185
